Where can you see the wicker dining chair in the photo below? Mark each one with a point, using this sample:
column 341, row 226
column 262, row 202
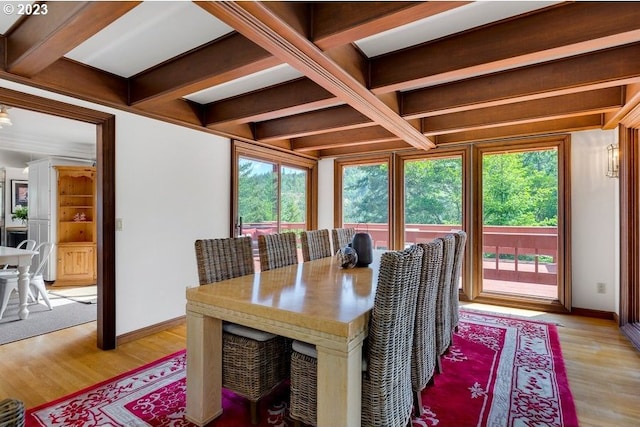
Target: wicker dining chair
column 424, row 353
column 443, row 302
column 461, row 240
column 315, row 244
column 253, row 362
column 11, row 413
column 277, row 250
column 386, row 382
column 341, row 237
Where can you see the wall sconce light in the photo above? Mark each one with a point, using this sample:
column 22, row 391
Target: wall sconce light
column 5, row 120
column 613, row 163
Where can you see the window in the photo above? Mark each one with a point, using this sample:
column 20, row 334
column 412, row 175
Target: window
column 272, row 192
column 363, row 198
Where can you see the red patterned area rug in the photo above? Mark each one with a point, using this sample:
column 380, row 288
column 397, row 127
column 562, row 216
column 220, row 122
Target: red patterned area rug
column 500, row 371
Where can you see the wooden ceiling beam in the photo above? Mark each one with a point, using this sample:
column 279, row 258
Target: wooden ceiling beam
column 575, row 104
column 341, row 23
column 310, row 123
column 77, row 80
column 632, row 101
column 40, row 40
column 259, row 24
column 281, row 100
column 220, row 61
column 608, row 68
column 568, row 29
column 569, row 124
column 345, row 138
column 397, row 145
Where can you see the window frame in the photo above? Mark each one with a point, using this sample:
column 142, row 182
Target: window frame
column 254, row 152
column 338, row 169
column 563, row 145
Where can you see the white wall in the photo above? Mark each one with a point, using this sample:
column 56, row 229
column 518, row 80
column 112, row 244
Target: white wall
column 325, row 194
column 595, row 219
column 595, row 223
column 172, row 187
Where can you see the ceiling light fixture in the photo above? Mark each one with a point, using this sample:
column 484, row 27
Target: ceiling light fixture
column 5, row 120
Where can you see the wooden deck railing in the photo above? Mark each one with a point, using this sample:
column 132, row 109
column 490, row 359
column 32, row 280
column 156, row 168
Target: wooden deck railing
column 515, row 254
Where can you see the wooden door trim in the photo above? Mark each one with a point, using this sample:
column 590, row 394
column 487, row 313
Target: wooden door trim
column 105, row 199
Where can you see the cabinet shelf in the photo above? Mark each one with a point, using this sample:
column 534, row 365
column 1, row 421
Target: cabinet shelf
column 76, row 238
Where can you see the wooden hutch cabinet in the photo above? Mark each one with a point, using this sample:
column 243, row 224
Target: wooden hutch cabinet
column 76, row 225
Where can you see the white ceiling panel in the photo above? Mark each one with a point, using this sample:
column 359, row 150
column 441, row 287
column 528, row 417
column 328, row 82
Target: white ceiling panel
column 262, row 79
column 44, row 134
column 149, row 34
column 11, row 12
column 453, row 21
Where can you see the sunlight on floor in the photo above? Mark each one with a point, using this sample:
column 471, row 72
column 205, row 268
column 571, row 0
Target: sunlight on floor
column 503, row 310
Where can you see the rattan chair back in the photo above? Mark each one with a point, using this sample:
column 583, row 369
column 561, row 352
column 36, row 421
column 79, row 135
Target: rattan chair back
column 251, row 368
column 443, row 302
column 315, row 244
column 277, row 250
column 341, row 237
column 461, row 240
column 425, row 353
column 386, row 385
column 11, row 413
column 221, row 259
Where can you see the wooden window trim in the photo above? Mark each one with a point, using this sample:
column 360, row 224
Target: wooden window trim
column 257, row 152
column 563, row 144
column 338, row 168
column 440, row 153
column 629, row 311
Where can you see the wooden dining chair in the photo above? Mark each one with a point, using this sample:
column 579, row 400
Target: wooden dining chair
column 386, row 381
column 277, row 250
column 341, row 237
column 443, row 302
column 461, row 240
column 424, row 352
column 315, row 244
column 253, row 362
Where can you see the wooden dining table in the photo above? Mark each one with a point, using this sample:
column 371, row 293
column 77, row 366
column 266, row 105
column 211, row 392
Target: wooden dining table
column 22, row 259
column 317, row 302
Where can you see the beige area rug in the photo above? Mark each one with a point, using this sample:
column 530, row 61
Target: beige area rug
column 82, row 294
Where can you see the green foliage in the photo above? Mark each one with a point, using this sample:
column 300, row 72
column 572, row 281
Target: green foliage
column 365, row 194
column 258, row 192
column 21, row 213
column 433, row 191
column 520, row 189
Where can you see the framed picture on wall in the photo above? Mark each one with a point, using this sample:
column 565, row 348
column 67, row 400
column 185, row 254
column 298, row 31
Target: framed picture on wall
column 19, row 194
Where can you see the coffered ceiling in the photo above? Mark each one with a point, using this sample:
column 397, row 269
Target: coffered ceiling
column 335, row 78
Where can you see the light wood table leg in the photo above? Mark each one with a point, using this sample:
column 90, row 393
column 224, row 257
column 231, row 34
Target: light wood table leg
column 204, row 368
column 339, row 387
column 23, row 290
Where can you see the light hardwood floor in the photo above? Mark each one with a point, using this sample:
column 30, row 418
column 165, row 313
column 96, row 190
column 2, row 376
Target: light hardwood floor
column 603, row 367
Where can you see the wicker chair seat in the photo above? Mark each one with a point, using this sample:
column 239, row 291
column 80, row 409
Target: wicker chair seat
column 11, row 413
column 386, row 380
column 253, row 362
